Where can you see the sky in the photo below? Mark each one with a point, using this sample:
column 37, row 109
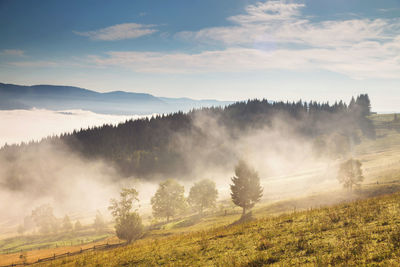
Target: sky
column 225, row 49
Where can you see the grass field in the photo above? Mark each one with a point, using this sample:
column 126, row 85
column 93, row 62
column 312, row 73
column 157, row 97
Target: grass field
column 330, row 227
column 364, row 232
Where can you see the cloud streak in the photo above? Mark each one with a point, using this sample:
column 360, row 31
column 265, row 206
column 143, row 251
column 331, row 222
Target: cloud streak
column 361, row 61
column 13, row 52
column 119, row 32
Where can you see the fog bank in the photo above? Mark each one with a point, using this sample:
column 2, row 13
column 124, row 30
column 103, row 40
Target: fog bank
column 26, row 125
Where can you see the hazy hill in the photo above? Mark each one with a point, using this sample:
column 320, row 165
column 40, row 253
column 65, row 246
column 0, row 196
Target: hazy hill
column 184, row 144
column 117, row 102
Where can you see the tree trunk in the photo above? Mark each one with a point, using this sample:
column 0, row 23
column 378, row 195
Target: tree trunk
column 244, row 211
column 168, row 219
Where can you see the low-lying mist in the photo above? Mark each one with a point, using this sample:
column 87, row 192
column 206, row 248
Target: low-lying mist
column 54, row 174
column 26, row 125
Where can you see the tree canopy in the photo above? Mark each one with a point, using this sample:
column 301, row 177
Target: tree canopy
column 128, row 224
column 203, row 195
column 168, row 200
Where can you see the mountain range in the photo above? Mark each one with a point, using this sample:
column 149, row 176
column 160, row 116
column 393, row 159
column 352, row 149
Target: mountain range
column 55, row 97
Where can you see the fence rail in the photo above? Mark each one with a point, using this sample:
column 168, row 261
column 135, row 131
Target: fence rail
column 67, row 254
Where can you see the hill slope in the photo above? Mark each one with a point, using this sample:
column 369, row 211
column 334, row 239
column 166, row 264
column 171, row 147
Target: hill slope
column 359, row 233
column 117, row 102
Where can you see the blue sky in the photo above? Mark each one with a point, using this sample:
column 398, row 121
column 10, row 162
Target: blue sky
column 225, row 49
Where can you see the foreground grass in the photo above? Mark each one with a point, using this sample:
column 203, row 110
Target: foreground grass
column 364, row 232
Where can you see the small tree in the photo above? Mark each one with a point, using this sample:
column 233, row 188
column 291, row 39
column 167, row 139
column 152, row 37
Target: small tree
column 66, row 224
column 44, row 219
column 350, row 174
column 168, row 200
column 128, row 224
column 245, row 190
column 21, row 229
column 78, row 226
column 203, row 195
column 129, row 227
column 99, row 224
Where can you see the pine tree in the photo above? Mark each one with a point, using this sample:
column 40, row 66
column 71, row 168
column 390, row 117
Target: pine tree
column 245, row 190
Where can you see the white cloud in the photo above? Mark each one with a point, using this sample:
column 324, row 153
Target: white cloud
column 13, row 52
column 38, row 63
column 275, row 35
column 268, row 36
column 282, row 23
column 361, row 61
column 119, row 32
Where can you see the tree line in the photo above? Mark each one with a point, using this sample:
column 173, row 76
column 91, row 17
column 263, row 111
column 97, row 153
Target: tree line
column 145, row 147
column 169, row 199
column 43, row 220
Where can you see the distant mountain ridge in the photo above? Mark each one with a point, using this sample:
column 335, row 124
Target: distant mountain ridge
column 55, row 97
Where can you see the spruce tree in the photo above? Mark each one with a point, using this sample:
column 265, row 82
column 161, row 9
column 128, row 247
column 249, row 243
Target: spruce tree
column 245, row 190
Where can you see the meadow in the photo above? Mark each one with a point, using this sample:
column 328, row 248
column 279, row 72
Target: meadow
column 363, row 232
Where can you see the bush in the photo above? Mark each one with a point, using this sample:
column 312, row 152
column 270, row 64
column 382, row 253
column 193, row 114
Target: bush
column 129, row 227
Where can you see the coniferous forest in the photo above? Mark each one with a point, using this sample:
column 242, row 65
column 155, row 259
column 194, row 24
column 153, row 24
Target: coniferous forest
column 165, row 145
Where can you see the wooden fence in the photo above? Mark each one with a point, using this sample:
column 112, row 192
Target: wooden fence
column 67, row 254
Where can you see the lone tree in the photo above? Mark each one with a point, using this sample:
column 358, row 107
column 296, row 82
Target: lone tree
column 168, row 200
column 350, row 174
column 203, row 195
column 99, row 223
column 128, row 224
column 245, row 190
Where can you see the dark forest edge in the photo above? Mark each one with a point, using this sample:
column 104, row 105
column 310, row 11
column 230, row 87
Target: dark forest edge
column 152, row 148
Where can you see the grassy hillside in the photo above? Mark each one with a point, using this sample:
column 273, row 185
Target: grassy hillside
column 358, row 233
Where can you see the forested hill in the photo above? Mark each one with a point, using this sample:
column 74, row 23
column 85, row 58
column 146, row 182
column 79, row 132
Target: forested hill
column 173, row 144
